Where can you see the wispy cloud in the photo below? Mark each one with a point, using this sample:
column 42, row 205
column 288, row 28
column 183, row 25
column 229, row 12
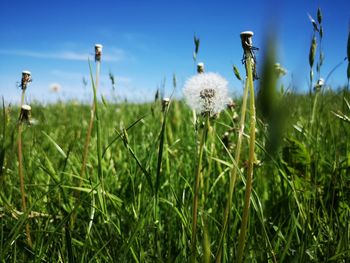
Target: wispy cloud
column 74, row 76
column 67, row 74
column 110, row 55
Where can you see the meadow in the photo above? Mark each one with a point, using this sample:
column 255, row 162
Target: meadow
column 146, row 163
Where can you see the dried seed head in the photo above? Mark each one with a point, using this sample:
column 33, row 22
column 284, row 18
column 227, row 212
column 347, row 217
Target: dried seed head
column 207, row 94
column 280, row 71
column 98, row 52
column 200, row 67
column 247, row 39
column 25, row 114
column 26, row 78
column 165, row 103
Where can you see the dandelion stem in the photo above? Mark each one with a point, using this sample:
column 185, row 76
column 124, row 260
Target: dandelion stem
column 233, row 175
column 196, row 189
column 20, row 171
column 101, row 190
column 249, row 182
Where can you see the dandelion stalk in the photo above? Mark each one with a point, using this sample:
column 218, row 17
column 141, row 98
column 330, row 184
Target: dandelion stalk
column 249, row 65
column 101, row 190
column 98, row 53
column 24, row 116
column 233, row 174
column 205, row 93
column 196, row 188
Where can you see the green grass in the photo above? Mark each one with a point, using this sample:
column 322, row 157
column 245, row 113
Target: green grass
column 300, row 201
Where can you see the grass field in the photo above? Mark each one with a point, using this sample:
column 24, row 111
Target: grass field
column 300, row 204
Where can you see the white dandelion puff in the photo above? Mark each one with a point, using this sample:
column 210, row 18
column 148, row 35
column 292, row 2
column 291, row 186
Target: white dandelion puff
column 206, row 93
column 55, row 87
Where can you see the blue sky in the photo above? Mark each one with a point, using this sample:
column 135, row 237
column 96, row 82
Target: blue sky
column 147, row 41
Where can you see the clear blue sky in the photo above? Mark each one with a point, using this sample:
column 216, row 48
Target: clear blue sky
column 146, row 41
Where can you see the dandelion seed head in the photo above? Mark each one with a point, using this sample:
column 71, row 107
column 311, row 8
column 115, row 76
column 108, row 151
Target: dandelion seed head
column 206, row 93
column 25, row 114
column 55, row 87
column 26, row 107
column 320, row 83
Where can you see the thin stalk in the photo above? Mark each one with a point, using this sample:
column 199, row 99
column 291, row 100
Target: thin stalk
column 21, row 177
column 158, row 174
column 196, row 189
column 313, row 116
column 88, row 136
column 233, row 174
column 249, row 182
column 101, row 190
column 22, row 97
column 20, row 171
column 91, row 124
column 87, row 143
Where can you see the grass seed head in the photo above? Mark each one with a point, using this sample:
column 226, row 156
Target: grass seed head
column 236, row 72
column 319, row 15
column 312, row 52
column 206, row 93
column 313, row 22
column 98, row 52
column 196, row 41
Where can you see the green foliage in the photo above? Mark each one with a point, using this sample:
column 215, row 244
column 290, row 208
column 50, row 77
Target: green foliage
column 300, row 200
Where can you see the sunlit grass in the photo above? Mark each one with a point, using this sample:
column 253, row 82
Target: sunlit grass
column 156, row 182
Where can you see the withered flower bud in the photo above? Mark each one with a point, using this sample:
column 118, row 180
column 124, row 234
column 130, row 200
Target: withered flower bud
column 247, row 40
column 26, row 78
column 200, row 67
column 165, row 103
column 98, row 52
column 25, row 114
